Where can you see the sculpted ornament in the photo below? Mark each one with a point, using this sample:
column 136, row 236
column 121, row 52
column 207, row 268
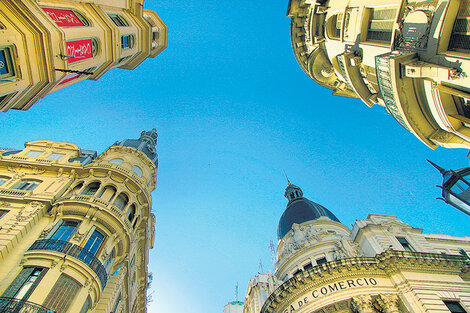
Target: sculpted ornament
column 22, row 170
column 388, row 303
column 363, row 304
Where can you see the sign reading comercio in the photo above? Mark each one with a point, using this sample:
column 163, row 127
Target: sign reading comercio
column 329, row 289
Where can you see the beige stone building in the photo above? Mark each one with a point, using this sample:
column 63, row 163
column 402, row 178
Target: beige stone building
column 410, row 56
column 76, row 228
column 47, row 45
column 381, row 265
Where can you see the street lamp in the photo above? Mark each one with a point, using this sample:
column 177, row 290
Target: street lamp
column 456, row 187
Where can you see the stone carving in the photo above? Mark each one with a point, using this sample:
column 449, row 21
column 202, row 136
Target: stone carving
column 363, row 304
column 53, row 263
column 63, row 267
column 4, row 204
column 388, row 303
column 22, row 170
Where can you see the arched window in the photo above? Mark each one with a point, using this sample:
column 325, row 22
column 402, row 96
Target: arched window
column 77, row 187
column 91, row 189
column 121, row 201
column 137, row 170
column 131, row 213
column 116, row 161
column 333, row 26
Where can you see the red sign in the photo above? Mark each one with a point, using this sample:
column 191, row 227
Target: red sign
column 79, row 50
column 69, row 77
column 63, row 17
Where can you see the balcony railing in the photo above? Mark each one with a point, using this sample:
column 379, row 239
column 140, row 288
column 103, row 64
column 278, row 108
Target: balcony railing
column 103, row 203
column 75, row 251
column 12, row 305
column 384, row 79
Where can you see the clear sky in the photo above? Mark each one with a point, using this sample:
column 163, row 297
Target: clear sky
column 233, row 111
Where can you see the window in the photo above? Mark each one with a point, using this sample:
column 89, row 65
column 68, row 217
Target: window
column 91, row 189
column 33, row 153
column 135, row 222
column 460, row 37
column 62, row 293
column 7, row 68
column 26, row 185
column 3, row 212
column 94, row 243
column 137, row 170
column 121, row 201
column 25, row 283
column 454, row 306
column 116, row 161
column 334, row 26
column 405, row 244
column 118, row 20
column 321, row 261
column 127, row 41
column 463, row 105
column 308, row 266
column 55, row 156
column 380, row 24
column 155, row 35
column 65, row 230
column 3, row 180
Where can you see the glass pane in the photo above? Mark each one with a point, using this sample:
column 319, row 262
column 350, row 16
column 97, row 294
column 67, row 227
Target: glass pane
column 34, row 153
column 28, row 284
column 137, row 170
column 2, row 181
column 6, row 69
column 116, row 161
column 65, row 231
column 93, row 244
column 55, row 156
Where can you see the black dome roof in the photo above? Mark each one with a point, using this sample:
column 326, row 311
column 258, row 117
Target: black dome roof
column 300, row 210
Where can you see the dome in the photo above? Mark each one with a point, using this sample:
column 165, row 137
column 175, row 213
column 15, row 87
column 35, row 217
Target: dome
column 300, row 210
column 146, row 143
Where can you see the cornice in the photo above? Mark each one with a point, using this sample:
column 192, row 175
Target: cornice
column 382, row 265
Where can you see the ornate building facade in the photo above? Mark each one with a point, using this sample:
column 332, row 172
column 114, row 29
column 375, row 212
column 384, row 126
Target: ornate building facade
column 47, row 45
column 410, row 56
column 381, row 265
column 76, row 227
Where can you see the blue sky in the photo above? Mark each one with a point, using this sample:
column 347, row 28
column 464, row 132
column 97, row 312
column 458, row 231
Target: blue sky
column 233, row 111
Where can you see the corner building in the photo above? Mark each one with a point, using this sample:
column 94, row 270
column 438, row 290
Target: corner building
column 76, row 228
column 410, row 56
column 47, row 45
column 381, row 265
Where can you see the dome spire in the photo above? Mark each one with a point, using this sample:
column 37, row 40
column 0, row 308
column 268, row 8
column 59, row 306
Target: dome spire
column 292, row 192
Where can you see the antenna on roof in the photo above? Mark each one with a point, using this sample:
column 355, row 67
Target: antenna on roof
column 261, row 269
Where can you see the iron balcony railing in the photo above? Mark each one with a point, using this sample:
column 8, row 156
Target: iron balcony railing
column 12, row 305
column 75, row 251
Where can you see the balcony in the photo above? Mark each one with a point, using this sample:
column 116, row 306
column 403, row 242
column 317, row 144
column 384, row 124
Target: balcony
column 105, row 204
column 13, row 192
column 75, row 251
column 12, row 305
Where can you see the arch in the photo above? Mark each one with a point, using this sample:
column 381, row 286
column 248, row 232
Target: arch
column 135, row 222
column 91, row 188
column 107, row 193
column 131, row 213
column 117, row 161
column 121, row 201
column 76, row 188
column 137, row 170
